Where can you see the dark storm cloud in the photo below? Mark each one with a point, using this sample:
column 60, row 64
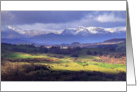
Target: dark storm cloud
column 29, row 17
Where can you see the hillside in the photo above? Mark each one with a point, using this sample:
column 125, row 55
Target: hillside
column 101, row 44
column 116, row 40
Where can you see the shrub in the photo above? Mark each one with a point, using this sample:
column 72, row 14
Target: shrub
column 89, row 52
column 74, row 55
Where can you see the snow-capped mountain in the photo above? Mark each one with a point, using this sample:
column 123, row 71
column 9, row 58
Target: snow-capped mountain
column 85, row 31
column 31, row 33
column 82, row 35
column 68, row 35
column 81, row 30
column 10, row 34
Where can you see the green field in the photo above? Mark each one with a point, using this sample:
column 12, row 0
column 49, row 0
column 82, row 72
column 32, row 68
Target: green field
column 74, row 65
column 60, row 63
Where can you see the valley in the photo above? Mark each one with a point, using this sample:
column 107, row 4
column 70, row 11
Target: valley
column 104, row 61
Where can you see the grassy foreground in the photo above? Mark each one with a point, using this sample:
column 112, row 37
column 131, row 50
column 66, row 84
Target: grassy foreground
column 20, row 66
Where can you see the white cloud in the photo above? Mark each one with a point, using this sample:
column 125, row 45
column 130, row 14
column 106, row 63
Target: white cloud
column 109, row 18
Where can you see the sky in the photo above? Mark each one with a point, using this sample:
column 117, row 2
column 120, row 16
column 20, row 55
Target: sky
column 56, row 21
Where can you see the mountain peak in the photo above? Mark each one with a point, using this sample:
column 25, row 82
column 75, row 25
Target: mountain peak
column 92, row 30
column 81, row 28
column 81, row 31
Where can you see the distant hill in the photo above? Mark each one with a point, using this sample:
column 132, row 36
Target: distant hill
column 110, row 42
column 10, row 34
column 116, row 40
column 14, row 41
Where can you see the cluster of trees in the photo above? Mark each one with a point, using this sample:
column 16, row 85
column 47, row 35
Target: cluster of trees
column 31, row 48
column 114, row 47
column 114, row 50
column 73, row 52
column 100, row 53
column 94, row 53
column 27, row 48
column 109, row 47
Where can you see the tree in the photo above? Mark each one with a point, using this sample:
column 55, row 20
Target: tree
column 88, row 52
column 55, row 49
column 95, row 53
column 74, row 55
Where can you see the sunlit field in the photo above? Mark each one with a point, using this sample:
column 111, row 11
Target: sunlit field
column 50, row 66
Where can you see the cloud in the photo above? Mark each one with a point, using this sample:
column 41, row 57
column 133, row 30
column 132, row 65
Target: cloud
column 57, row 28
column 109, row 18
column 45, row 28
column 43, row 22
column 7, row 17
column 30, row 17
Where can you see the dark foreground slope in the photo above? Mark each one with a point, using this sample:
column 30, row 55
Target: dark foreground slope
column 43, row 73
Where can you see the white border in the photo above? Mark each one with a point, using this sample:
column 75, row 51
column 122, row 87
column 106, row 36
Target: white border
column 63, row 5
column 63, row 86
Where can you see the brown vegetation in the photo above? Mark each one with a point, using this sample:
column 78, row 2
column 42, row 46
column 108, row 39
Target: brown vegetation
column 31, row 60
column 111, row 60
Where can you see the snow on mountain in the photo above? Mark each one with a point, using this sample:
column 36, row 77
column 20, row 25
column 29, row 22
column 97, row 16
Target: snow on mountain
column 69, row 31
column 81, row 31
column 92, row 30
column 68, row 35
column 32, row 32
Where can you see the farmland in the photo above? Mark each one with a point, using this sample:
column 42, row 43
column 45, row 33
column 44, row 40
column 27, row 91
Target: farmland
column 30, row 63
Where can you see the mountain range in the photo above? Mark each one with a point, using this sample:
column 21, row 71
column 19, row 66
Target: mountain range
column 67, row 36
